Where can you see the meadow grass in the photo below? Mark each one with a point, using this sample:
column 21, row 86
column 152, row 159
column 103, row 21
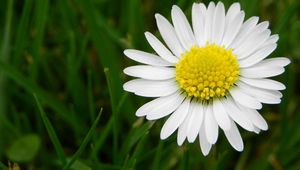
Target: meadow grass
column 62, row 105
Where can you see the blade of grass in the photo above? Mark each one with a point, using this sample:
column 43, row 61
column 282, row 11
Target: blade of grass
column 31, row 87
column 285, row 17
column 185, row 159
column 40, row 21
column 288, row 93
column 84, row 143
column 138, row 149
column 90, row 96
column 107, row 52
column 4, row 55
column 242, row 161
column 136, row 23
column 22, row 32
column 135, row 134
column 103, row 136
column 6, row 38
column 158, row 155
column 114, row 116
column 74, row 82
column 51, row 132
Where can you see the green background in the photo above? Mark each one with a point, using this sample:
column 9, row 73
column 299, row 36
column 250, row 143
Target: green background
column 61, row 61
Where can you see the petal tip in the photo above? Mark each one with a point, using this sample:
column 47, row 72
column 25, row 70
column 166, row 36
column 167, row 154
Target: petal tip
column 157, row 16
column 239, row 148
column 175, row 7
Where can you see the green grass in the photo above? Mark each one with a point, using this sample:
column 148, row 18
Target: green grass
column 69, row 54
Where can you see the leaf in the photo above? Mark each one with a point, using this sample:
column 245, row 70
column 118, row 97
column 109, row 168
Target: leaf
column 24, row 149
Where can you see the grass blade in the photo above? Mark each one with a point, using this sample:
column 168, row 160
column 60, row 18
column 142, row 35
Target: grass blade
column 107, row 52
column 31, row 87
column 4, row 55
column 90, row 96
column 101, row 139
column 158, row 155
column 6, row 38
column 84, row 143
column 137, row 151
column 114, row 116
column 51, row 132
column 135, row 134
column 21, row 37
column 40, row 22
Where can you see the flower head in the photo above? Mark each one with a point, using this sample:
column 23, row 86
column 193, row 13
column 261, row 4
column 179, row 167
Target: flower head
column 213, row 74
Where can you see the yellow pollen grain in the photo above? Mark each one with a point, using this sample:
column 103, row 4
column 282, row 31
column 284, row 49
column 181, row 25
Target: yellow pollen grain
column 207, row 72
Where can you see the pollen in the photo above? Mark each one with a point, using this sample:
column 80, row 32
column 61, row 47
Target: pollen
column 207, row 72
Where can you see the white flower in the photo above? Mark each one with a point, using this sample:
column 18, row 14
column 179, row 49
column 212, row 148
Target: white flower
column 211, row 75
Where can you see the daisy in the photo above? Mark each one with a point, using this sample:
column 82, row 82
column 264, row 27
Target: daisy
column 209, row 76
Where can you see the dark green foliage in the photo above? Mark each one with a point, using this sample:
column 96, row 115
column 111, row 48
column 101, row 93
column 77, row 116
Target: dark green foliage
column 69, row 54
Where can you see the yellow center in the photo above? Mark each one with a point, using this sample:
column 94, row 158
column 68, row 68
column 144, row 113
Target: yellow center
column 207, row 72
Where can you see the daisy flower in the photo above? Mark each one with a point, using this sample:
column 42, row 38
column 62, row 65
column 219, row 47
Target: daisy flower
column 207, row 76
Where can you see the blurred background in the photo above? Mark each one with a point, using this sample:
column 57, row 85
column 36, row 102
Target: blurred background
column 61, row 62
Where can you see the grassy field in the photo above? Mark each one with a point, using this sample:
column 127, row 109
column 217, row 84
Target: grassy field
column 62, row 105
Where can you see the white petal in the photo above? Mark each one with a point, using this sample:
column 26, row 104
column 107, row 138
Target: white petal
column 246, row 28
column 150, row 88
column 256, row 130
column 275, row 62
column 258, row 34
column 233, row 10
column 175, row 119
column 232, row 28
column 221, row 115
column 204, row 144
column 262, row 26
column 244, row 99
column 249, row 29
column 164, row 105
column 150, row 72
column 211, row 126
column 261, row 71
column 263, row 83
column 236, row 114
column 160, row 49
column 251, row 44
column 209, row 21
column 198, row 20
column 261, row 95
column 257, row 56
column 234, row 137
column 218, row 24
column 146, row 58
column 266, row 92
column 272, row 39
column 256, row 118
column 182, row 130
column 169, row 35
column 196, row 119
column 182, row 28
column 181, row 135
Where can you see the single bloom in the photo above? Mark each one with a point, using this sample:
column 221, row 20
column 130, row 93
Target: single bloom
column 209, row 75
